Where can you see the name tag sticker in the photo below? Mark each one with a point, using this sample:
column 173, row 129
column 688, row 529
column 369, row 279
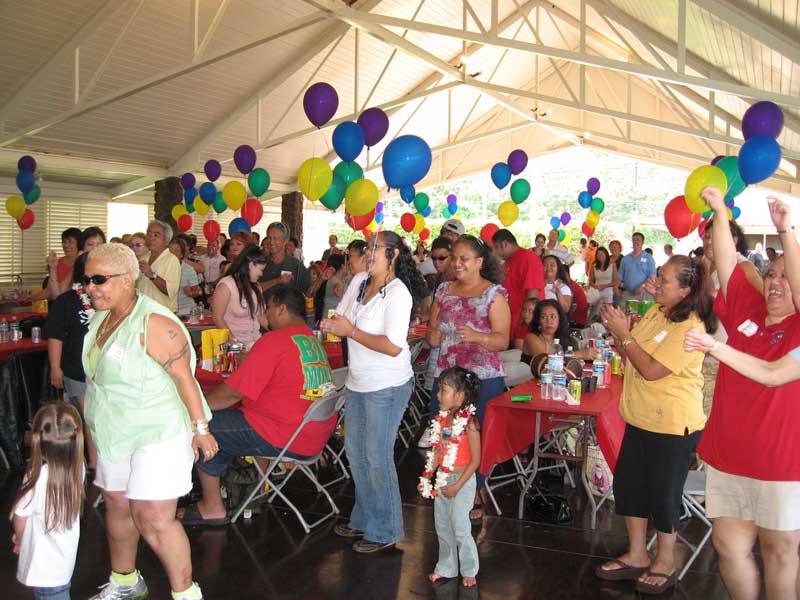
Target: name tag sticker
column 643, row 260
column 748, row 328
column 659, row 337
column 115, row 353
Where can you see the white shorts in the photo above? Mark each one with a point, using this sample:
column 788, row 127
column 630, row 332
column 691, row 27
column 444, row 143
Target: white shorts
column 769, row 504
column 161, row 471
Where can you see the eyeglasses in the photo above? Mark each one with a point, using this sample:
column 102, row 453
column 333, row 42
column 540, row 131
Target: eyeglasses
column 99, row 279
column 440, row 258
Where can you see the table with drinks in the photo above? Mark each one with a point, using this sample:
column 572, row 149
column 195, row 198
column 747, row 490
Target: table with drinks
column 519, row 418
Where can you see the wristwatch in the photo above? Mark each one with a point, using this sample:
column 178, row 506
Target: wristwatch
column 152, row 275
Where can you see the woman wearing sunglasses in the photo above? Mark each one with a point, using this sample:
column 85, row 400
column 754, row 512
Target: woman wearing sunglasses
column 148, row 418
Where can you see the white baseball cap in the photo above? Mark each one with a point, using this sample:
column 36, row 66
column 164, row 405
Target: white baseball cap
column 454, row 225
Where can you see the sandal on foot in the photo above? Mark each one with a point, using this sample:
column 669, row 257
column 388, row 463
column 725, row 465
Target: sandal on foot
column 367, row 547
column 476, row 521
column 437, row 579
column 469, row 582
column 624, row 572
column 654, row 589
column 192, row 516
column 344, row 531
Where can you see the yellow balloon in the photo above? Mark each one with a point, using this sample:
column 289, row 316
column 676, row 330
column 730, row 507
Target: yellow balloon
column 703, row 177
column 419, row 223
column 361, row 197
column 234, row 195
column 372, row 227
column 315, row 177
column 15, row 206
column 200, row 206
column 592, row 219
column 567, row 238
column 508, row 212
column 179, row 210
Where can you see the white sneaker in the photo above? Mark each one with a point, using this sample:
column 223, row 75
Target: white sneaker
column 425, row 439
column 193, row 593
column 115, row 591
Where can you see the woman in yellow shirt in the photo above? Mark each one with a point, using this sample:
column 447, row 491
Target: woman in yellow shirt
column 662, row 404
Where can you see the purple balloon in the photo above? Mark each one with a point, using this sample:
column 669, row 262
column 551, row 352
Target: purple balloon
column 451, row 198
column 244, row 157
column 320, row 103
column 565, row 218
column 375, row 124
column 593, row 185
column 212, row 169
column 27, row 163
column 379, row 207
column 717, row 158
column 517, row 161
column 188, row 180
column 762, row 118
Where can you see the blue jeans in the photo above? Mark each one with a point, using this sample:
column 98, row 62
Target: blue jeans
column 60, row 592
column 490, row 388
column 371, row 421
column 454, row 531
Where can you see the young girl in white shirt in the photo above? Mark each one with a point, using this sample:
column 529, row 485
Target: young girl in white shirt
column 46, row 512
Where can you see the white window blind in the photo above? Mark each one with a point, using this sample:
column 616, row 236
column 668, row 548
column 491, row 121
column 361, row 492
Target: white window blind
column 62, row 214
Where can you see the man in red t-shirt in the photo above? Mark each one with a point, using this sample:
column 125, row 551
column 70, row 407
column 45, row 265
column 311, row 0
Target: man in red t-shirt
column 524, row 271
column 259, row 407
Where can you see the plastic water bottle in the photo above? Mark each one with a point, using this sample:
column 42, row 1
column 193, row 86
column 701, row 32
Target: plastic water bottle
column 4, row 336
column 14, row 325
column 556, row 364
column 547, row 383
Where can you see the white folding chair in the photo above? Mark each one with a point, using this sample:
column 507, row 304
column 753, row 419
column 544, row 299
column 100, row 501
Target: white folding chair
column 695, row 486
column 337, row 457
column 321, row 409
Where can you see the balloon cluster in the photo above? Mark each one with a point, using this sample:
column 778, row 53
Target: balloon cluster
column 501, row 173
column 556, row 223
column 412, row 223
column 596, row 205
column 233, row 195
column 17, row 206
column 451, row 209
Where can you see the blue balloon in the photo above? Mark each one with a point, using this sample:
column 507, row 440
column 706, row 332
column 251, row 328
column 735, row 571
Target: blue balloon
column 378, row 218
column 501, row 175
column 585, row 199
column 728, row 203
column 555, row 222
column 736, row 212
column 426, row 211
column 189, row 194
column 238, row 224
column 407, row 193
column 208, row 192
column 348, row 140
column 759, row 158
column 25, row 181
column 453, row 206
column 406, row 160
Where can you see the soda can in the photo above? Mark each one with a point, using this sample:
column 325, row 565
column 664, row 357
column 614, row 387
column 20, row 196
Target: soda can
column 592, row 343
column 233, row 356
column 616, row 364
column 330, row 337
column 575, row 388
column 36, row 334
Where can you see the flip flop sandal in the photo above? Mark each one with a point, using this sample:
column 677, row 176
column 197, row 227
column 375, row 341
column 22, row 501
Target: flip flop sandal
column 477, row 520
column 625, row 572
column 653, row 589
column 191, row 516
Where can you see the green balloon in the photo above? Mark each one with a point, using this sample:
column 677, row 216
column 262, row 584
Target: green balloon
column 561, row 235
column 520, row 190
column 349, row 172
column 33, row 195
column 446, row 212
column 598, row 205
column 707, row 214
column 421, row 201
column 219, row 203
column 258, row 180
column 190, row 207
column 335, row 194
column 736, row 185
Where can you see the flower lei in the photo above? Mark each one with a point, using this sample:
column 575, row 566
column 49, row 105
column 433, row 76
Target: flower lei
column 460, row 421
column 86, row 302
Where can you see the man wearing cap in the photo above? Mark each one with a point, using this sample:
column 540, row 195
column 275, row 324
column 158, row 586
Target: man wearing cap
column 452, row 229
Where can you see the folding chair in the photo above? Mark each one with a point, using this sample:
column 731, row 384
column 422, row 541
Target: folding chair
column 695, row 486
column 319, row 410
column 337, row 457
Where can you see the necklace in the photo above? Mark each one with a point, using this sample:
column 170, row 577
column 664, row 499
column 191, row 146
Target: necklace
column 106, row 330
column 460, row 421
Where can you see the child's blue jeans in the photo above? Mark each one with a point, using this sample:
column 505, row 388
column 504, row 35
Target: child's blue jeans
column 455, row 531
column 60, row 592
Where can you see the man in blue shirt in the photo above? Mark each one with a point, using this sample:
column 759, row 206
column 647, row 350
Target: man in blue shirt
column 634, row 270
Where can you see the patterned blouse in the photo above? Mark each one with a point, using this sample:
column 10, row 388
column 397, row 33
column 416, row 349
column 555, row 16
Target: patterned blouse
column 473, row 312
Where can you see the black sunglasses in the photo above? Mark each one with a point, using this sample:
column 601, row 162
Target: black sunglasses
column 440, row 258
column 99, row 279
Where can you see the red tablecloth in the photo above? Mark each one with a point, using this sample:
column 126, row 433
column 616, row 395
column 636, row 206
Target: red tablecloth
column 509, row 427
column 21, row 315
column 8, row 349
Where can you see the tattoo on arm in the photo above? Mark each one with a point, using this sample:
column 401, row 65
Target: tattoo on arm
column 171, row 333
column 175, row 357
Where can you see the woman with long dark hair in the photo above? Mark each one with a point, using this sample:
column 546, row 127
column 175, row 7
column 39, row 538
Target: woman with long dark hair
column 556, row 282
column 549, row 323
column 238, row 303
column 470, row 323
column 374, row 316
column 662, row 405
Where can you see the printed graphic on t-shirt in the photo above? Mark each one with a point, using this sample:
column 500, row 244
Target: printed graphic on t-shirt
column 313, row 361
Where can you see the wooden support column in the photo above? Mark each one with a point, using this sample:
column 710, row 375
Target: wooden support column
column 168, row 194
column 292, row 214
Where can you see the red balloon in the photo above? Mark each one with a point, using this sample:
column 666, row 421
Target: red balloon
column 407, row 222
column 680, row 221
column 587, row 231
column 26, row 220
column 211, row 230
column 488, row 231
column 252, row 211
column 424, row 234
column 701, row 229
column 185, row 222
column 358, row 223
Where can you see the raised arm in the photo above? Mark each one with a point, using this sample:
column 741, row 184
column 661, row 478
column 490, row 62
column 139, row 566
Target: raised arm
column 782, row 218
column 724, row 248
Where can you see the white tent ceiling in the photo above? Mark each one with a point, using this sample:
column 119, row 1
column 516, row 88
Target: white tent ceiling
column 119, row 93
